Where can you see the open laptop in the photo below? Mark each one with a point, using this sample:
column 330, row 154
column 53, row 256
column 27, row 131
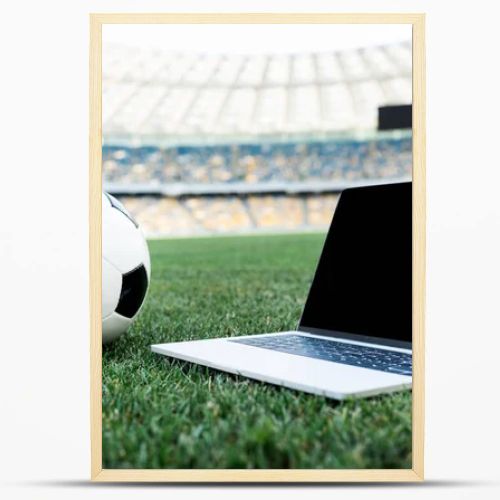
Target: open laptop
column 355, row 334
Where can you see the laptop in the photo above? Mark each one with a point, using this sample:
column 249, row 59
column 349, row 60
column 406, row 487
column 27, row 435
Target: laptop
column 354, row 337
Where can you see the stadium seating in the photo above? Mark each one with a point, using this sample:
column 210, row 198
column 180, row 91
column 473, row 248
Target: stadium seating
column 253, row 163
column 197, row 144
column 162, row 216
column 151, row 93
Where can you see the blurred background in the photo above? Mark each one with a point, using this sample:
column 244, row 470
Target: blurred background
column 248, row 140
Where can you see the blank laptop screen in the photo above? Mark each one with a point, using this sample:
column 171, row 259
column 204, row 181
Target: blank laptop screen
column 363, row 282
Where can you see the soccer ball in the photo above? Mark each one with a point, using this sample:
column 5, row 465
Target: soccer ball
column 126, row 268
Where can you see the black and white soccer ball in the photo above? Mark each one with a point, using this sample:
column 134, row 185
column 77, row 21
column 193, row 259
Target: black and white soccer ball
column 126, row 268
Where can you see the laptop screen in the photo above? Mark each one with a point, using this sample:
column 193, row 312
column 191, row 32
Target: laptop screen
column 363, row 282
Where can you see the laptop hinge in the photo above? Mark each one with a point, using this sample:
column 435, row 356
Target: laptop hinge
column 353, row 336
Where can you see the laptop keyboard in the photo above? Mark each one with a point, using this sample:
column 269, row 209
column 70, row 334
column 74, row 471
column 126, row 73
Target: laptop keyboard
column 337, row 352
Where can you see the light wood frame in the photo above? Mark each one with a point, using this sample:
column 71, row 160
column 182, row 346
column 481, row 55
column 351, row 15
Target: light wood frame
column 416, row 473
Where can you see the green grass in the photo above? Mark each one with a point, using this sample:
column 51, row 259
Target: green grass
column 160, row 413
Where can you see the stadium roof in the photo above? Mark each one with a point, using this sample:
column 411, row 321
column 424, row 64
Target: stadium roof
column 151, row 96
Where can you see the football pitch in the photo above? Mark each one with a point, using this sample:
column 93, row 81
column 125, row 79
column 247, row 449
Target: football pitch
column 163, row 413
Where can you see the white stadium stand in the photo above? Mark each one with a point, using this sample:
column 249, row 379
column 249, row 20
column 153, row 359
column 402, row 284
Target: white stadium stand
column 212, row 144
column 151, row 94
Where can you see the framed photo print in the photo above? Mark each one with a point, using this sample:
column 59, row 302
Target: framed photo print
column 257, row 247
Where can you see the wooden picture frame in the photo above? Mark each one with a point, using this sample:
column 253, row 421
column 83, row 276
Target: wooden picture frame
column 416, row 473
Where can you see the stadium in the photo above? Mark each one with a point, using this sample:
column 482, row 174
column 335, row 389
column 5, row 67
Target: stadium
column 255, row 148
column 204, row 144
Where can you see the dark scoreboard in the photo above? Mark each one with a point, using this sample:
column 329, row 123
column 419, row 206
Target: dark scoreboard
column 394, row 117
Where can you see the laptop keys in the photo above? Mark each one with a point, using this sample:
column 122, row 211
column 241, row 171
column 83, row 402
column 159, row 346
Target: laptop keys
column 338, row 352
